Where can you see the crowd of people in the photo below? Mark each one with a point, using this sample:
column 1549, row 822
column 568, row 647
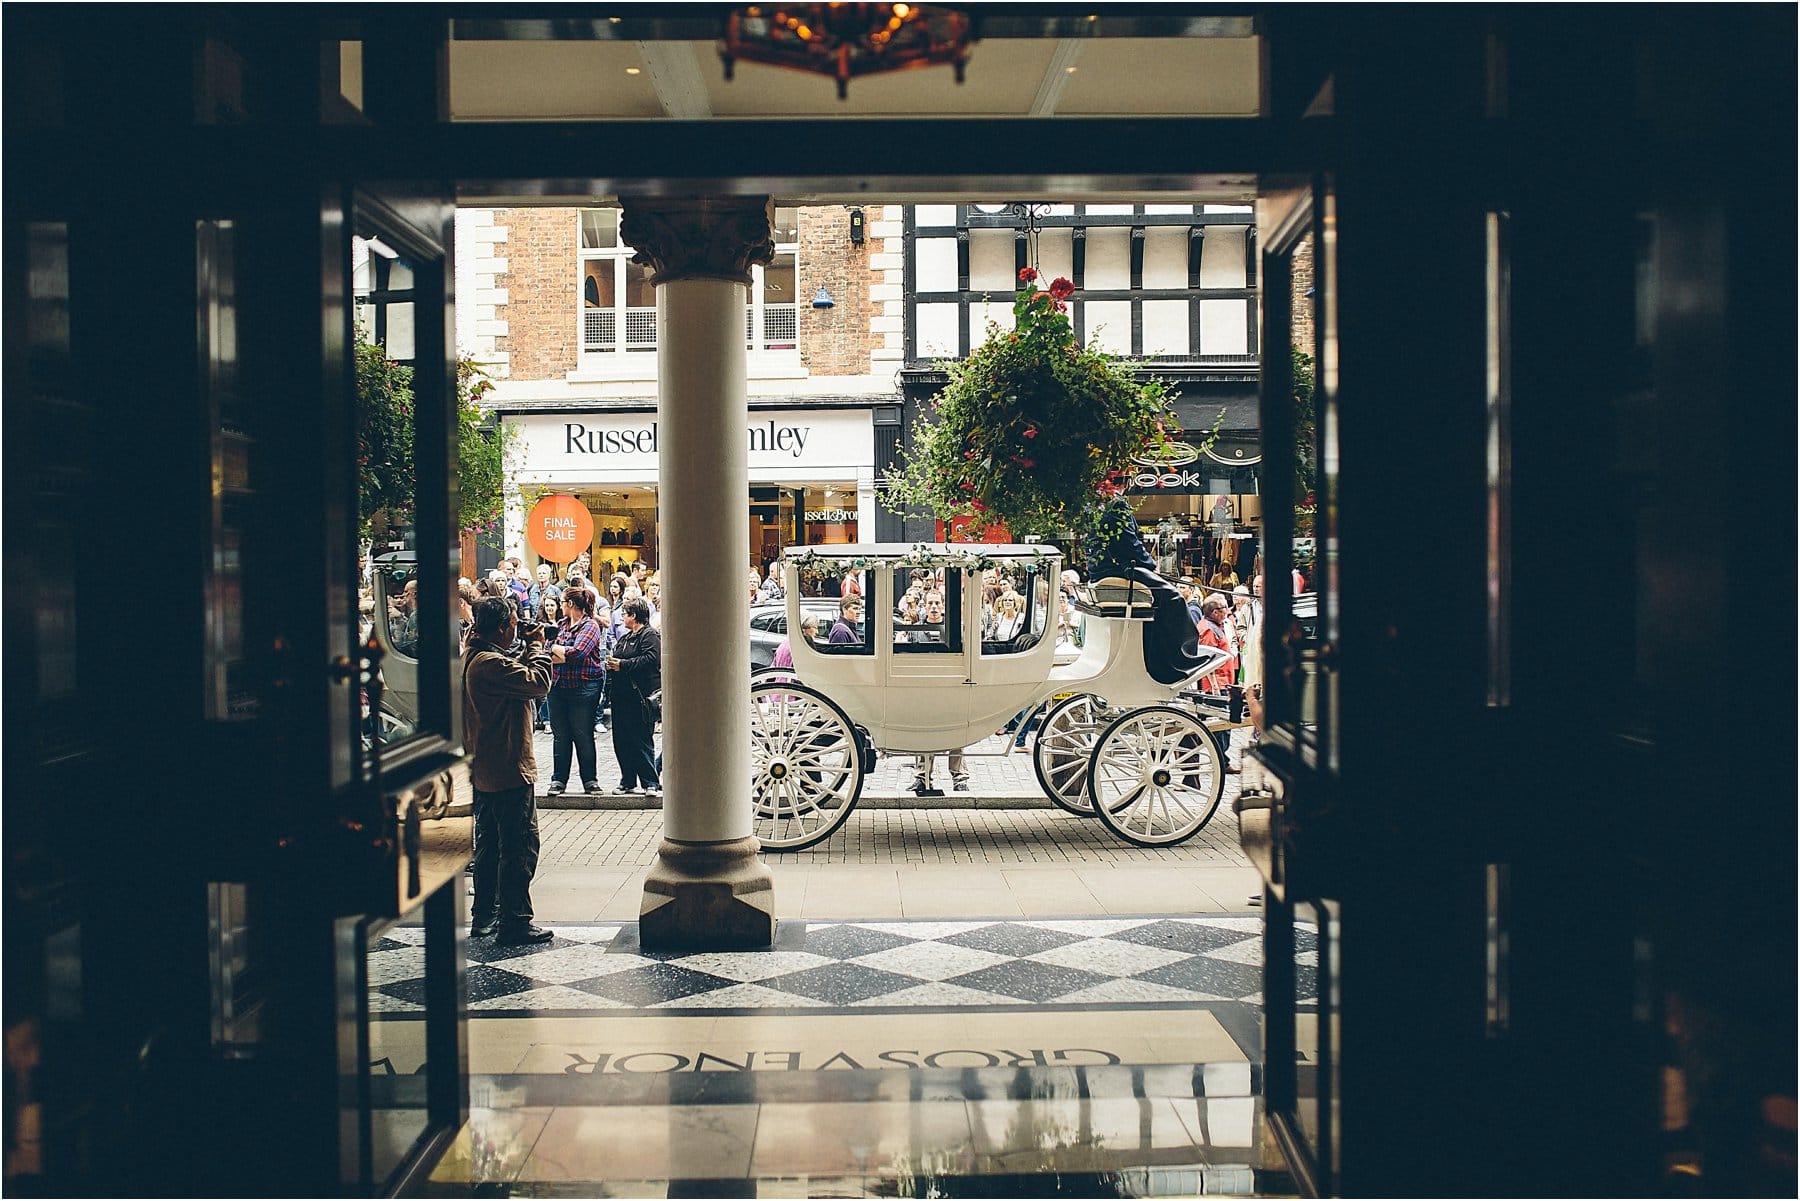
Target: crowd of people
column 607, row 649
column 604, row 646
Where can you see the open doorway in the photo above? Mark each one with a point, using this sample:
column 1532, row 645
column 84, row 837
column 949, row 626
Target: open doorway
column 969, row 933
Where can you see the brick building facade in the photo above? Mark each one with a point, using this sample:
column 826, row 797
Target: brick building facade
column 552, row 303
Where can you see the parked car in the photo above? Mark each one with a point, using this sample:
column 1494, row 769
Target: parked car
column 768, row 626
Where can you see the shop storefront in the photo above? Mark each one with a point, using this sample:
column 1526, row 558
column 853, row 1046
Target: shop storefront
column 812, row 478
column 1205, row 512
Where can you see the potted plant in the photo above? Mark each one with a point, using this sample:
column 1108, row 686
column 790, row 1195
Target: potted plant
column 1035, row 431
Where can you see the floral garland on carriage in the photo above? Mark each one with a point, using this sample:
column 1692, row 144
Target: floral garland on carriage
column 1035, row 431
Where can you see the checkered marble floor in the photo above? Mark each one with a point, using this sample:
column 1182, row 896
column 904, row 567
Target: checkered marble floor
column 856, row 966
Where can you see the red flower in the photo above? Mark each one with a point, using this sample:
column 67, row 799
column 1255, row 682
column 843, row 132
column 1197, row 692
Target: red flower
column 968, row 454
column 976, row 504
column 1061, row 288
column 1027, row 274
column 1031, row 431
column 1022, row 462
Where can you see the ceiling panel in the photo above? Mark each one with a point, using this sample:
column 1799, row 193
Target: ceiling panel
column 549, row 81
column 1192, row 77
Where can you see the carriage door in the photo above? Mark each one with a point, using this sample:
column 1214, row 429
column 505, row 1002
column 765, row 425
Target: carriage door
column 927, row 687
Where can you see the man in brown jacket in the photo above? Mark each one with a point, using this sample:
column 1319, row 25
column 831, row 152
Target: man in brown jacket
column 500, row 691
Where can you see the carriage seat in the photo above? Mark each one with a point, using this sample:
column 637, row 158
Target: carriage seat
column 1118, row 597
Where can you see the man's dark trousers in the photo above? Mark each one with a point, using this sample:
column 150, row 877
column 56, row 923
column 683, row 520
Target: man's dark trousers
column 506, row 855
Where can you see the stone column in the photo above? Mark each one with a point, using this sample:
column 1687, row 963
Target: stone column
column 708, row 888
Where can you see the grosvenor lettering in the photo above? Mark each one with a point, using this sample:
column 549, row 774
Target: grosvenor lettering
column 667, row 1062
column 763, row 437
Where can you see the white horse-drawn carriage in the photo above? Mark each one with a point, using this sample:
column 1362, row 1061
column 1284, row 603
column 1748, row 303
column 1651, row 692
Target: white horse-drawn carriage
column 925, row 677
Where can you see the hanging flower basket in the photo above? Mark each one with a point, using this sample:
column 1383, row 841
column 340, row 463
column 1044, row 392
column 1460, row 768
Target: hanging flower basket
column 1033, row 431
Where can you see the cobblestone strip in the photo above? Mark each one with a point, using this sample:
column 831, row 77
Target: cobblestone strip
column 628, row 838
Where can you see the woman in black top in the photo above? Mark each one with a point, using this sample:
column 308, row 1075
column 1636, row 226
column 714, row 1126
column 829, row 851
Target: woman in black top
column 636, row 668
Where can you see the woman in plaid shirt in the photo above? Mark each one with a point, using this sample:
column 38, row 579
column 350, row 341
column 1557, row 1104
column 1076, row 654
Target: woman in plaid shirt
column 580, row 668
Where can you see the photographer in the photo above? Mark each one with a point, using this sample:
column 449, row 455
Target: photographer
column 579, row 656
column 500, row 683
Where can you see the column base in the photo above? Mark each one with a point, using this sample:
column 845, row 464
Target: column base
column 708, row 896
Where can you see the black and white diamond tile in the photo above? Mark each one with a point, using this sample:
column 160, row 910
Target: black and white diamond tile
column 854, row 966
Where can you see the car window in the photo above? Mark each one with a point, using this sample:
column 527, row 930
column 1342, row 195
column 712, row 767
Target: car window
column 402, row 608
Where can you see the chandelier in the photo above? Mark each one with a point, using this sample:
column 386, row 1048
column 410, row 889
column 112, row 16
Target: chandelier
column 847, row 40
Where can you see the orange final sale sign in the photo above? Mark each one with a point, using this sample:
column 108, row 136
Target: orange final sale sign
column 559, row 528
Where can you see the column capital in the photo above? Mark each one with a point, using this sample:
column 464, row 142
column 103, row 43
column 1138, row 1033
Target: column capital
column 706, row 237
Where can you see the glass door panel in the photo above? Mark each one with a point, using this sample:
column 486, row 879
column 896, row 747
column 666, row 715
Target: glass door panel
column 1288, row 777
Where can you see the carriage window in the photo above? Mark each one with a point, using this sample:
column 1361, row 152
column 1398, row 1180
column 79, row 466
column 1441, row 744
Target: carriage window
column 1015, row 605
column 927, row 612
column 844, row 631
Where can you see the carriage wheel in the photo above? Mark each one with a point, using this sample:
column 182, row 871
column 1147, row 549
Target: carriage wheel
column 1156, row 776
column 806, row 765
column 778, row 674
column 1064, row 746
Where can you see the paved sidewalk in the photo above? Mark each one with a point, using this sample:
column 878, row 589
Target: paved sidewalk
column 1000, row 852
column 995, row 780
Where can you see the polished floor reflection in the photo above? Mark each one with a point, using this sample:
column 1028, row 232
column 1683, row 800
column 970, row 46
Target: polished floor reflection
column 869, row 1059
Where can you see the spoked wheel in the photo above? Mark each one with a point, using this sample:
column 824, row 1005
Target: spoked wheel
column 1065, row 746
column 777, row 674
column 806, row 765
column 1156, row 776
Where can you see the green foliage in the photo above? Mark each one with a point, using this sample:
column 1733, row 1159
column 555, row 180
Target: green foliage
column 1306, row 466
column 386, row 475
column 384, row 440
column 1033, row 430
column 484, row 453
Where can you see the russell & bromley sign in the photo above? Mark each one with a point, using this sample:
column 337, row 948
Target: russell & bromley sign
column 574, row 450
column 764, row 436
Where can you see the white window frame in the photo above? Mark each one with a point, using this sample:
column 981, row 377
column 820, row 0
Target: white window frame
column 640, row 361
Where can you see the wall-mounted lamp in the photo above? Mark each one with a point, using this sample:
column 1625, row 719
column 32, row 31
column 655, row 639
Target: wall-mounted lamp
column 822, row 299
column 856, row 227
